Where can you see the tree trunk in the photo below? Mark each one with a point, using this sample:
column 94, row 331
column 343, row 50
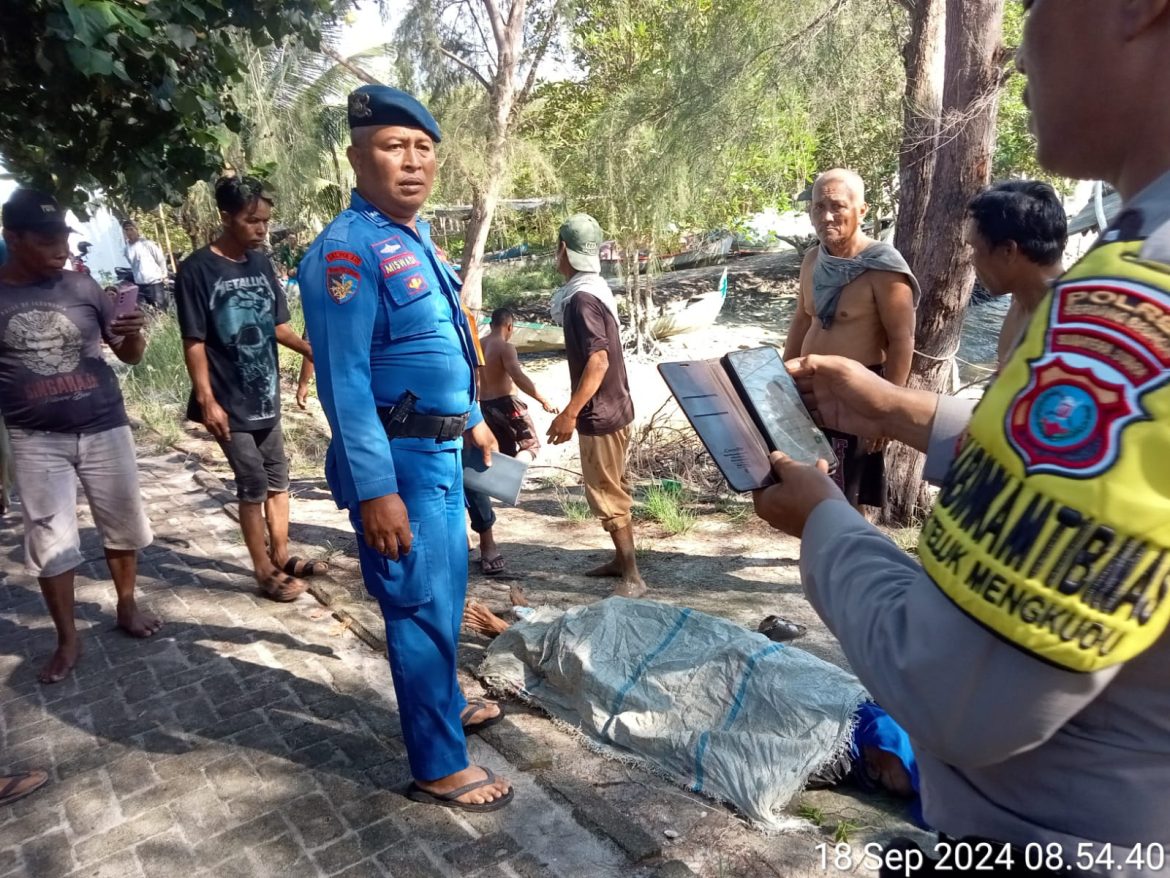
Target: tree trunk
column 509, row 43
column 484, row 202
column 930, row 225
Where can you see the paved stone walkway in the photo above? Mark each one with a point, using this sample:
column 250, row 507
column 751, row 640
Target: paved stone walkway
column 246, row 738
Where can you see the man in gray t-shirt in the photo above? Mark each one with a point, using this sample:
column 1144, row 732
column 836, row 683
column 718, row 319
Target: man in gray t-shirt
column 64, row 410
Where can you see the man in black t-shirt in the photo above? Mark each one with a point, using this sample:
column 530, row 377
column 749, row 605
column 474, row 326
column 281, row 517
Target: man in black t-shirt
column 232, row 314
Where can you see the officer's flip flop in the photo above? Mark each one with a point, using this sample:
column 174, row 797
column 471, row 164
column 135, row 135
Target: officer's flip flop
column 451, row 800
column 474, row 705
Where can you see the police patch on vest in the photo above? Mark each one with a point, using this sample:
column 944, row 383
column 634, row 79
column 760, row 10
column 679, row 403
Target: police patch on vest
column 343, row 256
column 416, row 284
column 342, row 283
column 1053, row 527
column 389, row 248
column 1110, row 345
column 1059, row 582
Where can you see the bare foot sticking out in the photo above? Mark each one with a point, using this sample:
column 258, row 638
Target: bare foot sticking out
column 135, row 622
column 473, row 789
column 517, row 596
column 61, row 663
column 631, row 586
column 612, row 568
column 483, row 621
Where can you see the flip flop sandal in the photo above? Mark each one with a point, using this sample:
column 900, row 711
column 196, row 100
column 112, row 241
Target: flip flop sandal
column 781, row 630
column 281, row 588
column 8, row 793
column 479, row 704
column 492, row 566
column 307, row 568
column 451, row 800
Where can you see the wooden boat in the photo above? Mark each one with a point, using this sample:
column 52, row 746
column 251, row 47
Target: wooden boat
column 537, row 338
column 690, row 315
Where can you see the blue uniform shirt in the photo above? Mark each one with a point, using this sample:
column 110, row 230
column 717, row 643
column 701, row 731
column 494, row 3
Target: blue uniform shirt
column 383, row 315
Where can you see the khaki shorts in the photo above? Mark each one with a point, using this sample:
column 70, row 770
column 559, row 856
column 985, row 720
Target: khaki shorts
column 607, row 485
column 48, row 466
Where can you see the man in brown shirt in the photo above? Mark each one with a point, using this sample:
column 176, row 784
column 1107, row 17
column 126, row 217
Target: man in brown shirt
column 601, row 409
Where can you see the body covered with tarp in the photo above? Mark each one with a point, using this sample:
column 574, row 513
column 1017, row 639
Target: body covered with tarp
column 721, row 710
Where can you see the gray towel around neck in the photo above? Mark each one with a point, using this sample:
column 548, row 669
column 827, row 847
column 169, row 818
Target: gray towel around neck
column 833, row 273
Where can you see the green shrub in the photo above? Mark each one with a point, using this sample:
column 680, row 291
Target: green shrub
column 668, row 507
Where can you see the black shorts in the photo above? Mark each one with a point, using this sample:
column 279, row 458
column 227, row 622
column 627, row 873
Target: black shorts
column 860, row 476
column 258, row 463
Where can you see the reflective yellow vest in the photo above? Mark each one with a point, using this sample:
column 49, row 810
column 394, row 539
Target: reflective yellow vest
column 1053, row 526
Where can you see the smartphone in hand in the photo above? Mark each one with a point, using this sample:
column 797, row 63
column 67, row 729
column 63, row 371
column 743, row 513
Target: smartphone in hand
column 125, row 300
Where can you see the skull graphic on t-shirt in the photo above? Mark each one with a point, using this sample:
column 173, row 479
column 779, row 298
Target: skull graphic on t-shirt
column 242, row 309
column 47, row 342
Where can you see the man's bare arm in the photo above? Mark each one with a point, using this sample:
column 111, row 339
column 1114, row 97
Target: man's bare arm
column 565, row 423
column 895, row 305
column 512, row 366
column 802, row 317
column 214, row 417
column 288, row 337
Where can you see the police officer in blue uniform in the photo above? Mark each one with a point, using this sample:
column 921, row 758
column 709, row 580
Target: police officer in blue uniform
column 395, row 374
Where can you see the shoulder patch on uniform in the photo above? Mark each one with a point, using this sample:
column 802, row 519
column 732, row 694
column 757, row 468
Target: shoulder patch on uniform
column 342, row 283
column 1109, row 346
column 344, row 256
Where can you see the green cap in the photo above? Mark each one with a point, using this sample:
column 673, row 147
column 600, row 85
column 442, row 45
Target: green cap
column 583, row 238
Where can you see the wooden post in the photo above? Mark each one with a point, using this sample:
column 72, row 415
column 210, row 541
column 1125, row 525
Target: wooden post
column 162, row 219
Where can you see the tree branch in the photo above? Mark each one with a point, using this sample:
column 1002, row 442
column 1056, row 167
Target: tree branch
column 361, row 74
column 535, row 59
column 487, row 48
column 468, row 66
column 497, row 21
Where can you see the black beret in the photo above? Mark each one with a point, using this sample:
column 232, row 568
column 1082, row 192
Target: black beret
column 382, row 105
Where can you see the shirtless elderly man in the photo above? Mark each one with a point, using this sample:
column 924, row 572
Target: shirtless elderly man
column 857, row 299
column 508, row 419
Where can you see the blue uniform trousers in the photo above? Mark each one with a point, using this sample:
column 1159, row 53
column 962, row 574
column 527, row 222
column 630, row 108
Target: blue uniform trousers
column 421, row 596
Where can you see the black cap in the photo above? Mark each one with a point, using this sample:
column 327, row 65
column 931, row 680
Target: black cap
column 31, row 211
column 382, row 105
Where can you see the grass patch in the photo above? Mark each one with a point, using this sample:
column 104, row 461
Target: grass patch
column 512, row 287
column 156, row 389
column 667, row 506
column 575, row 509
column 843, row 830
column 734, row 509
column 906, row 539
column 813, row 815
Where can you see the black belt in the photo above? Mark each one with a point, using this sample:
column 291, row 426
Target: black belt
column 441, row 428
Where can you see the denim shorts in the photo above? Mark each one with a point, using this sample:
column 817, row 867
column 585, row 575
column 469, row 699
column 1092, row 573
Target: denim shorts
column 48, row 466
column 258, row 463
